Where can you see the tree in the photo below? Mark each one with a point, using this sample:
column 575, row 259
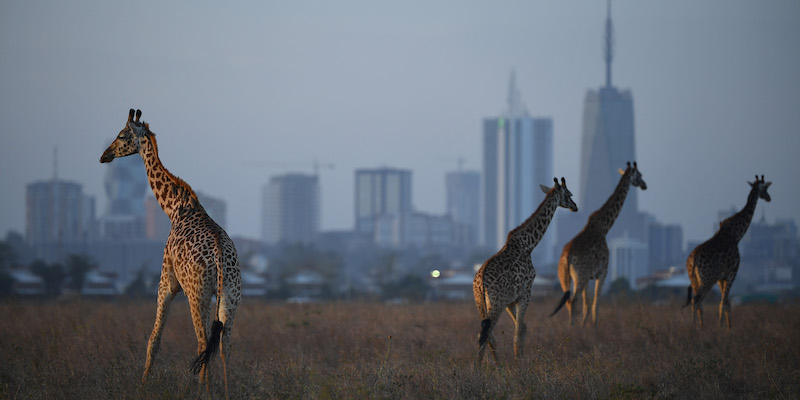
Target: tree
column 138, row 287
column 52, row 275
column 8, row 257
column 78, row 265
column 620, row 287
column 6, row 283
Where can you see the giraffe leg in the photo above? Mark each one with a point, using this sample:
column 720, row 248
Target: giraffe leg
column 227, row 312
column 722, row 285
column 493, row 348
column 491, row 318
column 202, row 329
column 697, row 301
column 585, row 308
column 725, row 303
column 168, row 287
column 569, row 309
column 580, row 287
column 598, row 287
column 521, row 330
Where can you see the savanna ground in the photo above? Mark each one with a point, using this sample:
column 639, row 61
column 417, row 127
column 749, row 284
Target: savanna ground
column 96, row 350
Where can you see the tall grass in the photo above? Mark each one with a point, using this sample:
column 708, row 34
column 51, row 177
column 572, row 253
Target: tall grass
column 86, row 350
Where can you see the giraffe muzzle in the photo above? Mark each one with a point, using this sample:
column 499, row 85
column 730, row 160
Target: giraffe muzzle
column 107, row 156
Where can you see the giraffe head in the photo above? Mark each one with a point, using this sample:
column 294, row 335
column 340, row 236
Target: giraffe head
column 636, row 175
column 563, row 194
column 127, row 142
column 761, row 186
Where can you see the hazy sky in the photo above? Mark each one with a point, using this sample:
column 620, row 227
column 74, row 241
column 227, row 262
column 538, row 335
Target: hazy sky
column 238, row 92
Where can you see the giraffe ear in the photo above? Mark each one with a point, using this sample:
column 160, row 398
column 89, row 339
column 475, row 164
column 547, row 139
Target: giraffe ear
column 766, row 186
column 621, row 172
column 545, row 189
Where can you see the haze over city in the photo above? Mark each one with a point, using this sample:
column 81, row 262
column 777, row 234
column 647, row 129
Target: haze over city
column 240, row 92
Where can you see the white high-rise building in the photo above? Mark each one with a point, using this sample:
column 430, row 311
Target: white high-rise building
column 517, row 158
column 381, row 193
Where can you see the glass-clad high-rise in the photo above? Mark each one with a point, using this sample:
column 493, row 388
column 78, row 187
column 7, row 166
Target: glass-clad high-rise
column 290, row 209
column 517, row 158
column 382, row 192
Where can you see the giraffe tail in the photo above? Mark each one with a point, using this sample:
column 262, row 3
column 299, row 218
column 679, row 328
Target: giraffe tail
column 689, row 297
column 211, row 348
column 484, row 335
column 561, row 303
column 212, row 344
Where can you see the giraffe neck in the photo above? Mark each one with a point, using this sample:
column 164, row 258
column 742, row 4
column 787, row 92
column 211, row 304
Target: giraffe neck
column 173, row 194
column 735, row 226
column 526, row 236
column 603, row 219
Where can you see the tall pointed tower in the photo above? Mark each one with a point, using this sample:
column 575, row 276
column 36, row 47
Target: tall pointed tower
column 608, row 136
column 608, row 143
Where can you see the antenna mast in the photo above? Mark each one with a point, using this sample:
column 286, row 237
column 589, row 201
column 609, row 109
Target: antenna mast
column 608, row 45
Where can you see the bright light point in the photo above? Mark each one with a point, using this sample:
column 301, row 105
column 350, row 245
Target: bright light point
column 435, row 273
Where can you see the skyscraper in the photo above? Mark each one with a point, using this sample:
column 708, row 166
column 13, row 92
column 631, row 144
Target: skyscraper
column 517, row 158
column 463, row 203
column 290, row 209
column 57, row 211
column 382, row 192
column 608, row 141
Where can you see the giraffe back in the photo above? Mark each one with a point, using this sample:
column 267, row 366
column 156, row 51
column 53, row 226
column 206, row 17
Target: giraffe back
column 193, row 242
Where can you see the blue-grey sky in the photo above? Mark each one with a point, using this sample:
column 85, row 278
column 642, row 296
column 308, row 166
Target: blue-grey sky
column 239, row 91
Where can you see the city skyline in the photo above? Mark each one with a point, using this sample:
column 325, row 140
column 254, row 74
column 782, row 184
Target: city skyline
column 364, row 86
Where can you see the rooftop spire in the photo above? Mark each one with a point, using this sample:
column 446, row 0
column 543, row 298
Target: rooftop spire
column 516, row 107
column 608, row 45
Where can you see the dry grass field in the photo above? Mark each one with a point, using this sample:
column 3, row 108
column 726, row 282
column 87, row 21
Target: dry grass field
column 96, row 350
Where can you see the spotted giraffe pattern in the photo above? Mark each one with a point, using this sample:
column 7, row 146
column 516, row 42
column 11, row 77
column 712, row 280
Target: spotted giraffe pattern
column 199, row 257
column 717, row 259
column 504, row 281
column 585, row 257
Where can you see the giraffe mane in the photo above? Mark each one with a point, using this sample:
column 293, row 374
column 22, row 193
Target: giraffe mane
column 178, row 181
column 531, row 217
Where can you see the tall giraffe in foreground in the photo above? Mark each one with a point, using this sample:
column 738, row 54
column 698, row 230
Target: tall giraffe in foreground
column 199, row 257
column 585, row 257
column 717, row 259
column 504, row 281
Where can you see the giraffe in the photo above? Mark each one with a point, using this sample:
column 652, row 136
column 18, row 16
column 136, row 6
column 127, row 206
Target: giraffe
column 199, row 257
column 504, row 281
column 717, row 259
column 585, row 257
